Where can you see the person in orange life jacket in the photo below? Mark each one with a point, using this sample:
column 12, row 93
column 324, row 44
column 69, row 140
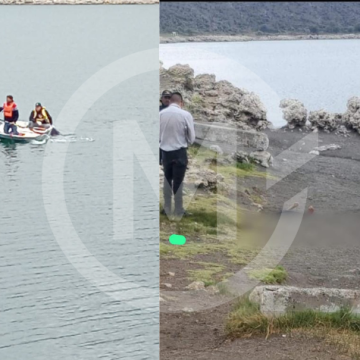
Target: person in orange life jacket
column 11, row 115
column 40, row 117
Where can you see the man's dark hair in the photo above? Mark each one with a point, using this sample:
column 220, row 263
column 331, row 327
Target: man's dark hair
column 10, row 96
column 176, row 93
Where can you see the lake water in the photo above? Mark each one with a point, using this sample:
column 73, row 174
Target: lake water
column 48, row 310
column 321, row 73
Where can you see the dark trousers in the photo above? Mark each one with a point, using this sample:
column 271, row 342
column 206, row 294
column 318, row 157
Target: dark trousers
column 160, row 157
column 10, row 128
column 174, row 164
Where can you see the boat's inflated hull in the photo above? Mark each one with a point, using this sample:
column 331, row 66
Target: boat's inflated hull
column 26, row 134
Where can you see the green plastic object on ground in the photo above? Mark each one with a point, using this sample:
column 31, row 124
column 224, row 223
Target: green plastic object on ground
column 177, row 239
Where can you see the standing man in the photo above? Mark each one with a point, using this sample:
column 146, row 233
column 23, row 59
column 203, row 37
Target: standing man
column 165, row 99
column 40, row 116
column 176, row 133
column 11, row 115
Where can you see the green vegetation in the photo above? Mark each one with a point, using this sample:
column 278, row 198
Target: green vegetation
column 215, row 231
column 209, row 231
column 197, row 99
column 245, row 166
column 341, row 328
column 233, row 18
column 269, row 276
column 231, row 171
column 209, row 274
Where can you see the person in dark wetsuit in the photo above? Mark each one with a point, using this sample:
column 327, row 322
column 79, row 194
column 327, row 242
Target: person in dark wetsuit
column 165, row 99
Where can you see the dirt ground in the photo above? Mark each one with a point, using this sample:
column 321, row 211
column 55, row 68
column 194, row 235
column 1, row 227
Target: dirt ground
column 325, row 252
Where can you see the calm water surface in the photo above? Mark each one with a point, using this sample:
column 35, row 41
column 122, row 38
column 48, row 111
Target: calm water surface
column 47, row 309
column 321, row 73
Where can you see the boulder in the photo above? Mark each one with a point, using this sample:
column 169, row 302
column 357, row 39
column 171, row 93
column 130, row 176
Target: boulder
column 204, row 82
column 202, row 178
column 241, row 157
column 342, row 130
column 179, row 71
column 212, row 101
column 250, row 110
column 294, row 112
column 278, row 300
column 352, row 115
column 216, row 148
column 324, row 120
column 182, row 76
column 229, row 138
column 262, row 158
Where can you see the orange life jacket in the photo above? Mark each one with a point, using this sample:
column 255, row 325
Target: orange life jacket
column 8, row 109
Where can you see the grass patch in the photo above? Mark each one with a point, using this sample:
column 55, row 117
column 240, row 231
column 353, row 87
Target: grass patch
column 209, row 274
column 341, row 328
column 232, row 172
column 269, row 276
column 208, row 231
column 197, row 99
column 245, row 166
column 216, row 224
column 201, row 153
column 189, row 250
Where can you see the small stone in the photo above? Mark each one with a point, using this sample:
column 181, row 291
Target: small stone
column 196, row 285
column 260, row 207
column 166, row 285
column 212, row 290
column 354, row 271
column 189, row 310
column 327, row 147
column 171, row 273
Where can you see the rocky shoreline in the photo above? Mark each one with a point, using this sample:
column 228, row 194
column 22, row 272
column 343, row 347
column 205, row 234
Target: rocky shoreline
column 254, row 37
column 220, row 102
column 297, row 116
column 324, row 253
column 219, row 106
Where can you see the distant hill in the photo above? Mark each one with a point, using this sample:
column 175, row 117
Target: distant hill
column 234, row 18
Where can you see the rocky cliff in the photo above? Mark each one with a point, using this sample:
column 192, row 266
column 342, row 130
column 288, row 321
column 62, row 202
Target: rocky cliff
column 215, row 101
column 297, row 116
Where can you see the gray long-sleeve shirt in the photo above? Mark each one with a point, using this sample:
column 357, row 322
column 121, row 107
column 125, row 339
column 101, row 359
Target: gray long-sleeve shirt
column 176, row 128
